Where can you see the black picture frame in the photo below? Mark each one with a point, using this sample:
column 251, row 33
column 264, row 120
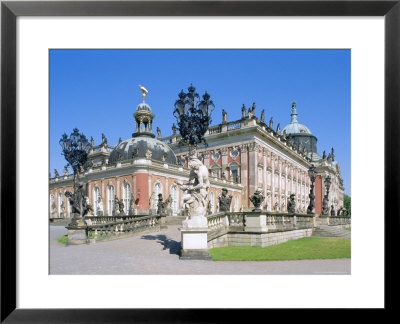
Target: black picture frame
column 10, row 10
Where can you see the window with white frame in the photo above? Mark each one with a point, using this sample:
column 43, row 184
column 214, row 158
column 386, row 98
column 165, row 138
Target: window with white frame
column 60, row 204
column 174, row 196
column 52, row 204
column 157, row 191
column 260, row 177
column 236, row 204
column 212, row 202
column 96, row 196
column 216, row 171
column 69, row 208
column 234, row 170
column 110, row 199
column 126, row 194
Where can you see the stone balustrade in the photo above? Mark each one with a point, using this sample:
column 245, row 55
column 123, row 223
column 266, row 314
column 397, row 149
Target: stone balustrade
column 215, row 130
column 109, row 219
column 114, row 227
column 273, row 221
column 335, row 220
column 239, row 227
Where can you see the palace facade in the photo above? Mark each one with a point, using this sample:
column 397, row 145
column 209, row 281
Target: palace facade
column 242, row 155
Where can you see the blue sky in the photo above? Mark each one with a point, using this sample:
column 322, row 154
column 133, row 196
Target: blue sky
column 97, row 91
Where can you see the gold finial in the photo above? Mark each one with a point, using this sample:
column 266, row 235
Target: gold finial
column 144, row 91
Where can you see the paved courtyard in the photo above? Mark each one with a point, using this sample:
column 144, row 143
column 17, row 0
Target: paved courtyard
column 157, row 253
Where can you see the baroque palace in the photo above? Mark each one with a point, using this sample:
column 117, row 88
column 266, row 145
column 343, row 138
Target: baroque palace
column 242, row 156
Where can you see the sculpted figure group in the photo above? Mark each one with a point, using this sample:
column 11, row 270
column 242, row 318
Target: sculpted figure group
column 196, row 190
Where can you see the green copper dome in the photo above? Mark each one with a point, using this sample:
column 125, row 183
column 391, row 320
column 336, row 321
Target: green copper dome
column 295, row 127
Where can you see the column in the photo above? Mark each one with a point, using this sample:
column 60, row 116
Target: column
column 224, row 160
column 252, row 169
column 243, row 174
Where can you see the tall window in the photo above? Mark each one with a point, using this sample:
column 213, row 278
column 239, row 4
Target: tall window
column 126, row 191
column 60, row 204
column 174, row 196
column 215, row 170
column 52, row 204
column 96, row 196
column 260, row 177
column 236, row 204
column 212, row 202
column 69, row 208
column 110, row 198
column 234, row 169
column 157, row 191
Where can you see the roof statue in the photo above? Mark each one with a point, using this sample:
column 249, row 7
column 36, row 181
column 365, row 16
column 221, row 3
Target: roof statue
column 144, row 91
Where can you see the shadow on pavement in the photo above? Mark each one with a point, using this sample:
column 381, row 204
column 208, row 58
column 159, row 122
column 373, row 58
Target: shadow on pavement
column 173, row 246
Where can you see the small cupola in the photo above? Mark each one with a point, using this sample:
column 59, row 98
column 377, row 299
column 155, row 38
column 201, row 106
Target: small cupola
column 143, row 117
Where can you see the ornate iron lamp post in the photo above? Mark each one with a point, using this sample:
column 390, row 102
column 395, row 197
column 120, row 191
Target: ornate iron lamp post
column 193, row 116
column 75, row 149
column 325, row 204
column 312, row 174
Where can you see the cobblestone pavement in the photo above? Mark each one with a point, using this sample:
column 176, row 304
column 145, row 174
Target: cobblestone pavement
column 157, row 253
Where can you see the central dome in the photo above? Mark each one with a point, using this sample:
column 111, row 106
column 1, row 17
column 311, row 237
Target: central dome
column 143, row 144
column 141, row 147
column 295, row 127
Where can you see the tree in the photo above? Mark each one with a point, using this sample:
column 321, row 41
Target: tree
column 347, row 203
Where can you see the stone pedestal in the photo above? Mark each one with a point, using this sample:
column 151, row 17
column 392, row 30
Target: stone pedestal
column 163, row 222
column 76, row 235
column 194, row 239
column 256, row 222
column 77, row 231
column 323, row 220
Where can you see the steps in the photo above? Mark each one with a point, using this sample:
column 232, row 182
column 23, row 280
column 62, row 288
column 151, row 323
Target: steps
column 331, row 231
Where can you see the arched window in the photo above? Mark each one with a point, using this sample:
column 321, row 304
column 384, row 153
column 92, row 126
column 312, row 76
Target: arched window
column 174, row 196
column 52, row 204
column 126, row 192
column 60, row 205
column 157, row 191
column 69, row 208
column 96, row 196
column 212, row 202
column 110, row 198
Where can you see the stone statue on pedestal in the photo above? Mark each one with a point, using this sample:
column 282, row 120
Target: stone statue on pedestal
column 332, row 210
column 118, row 207
column 225, row 201
column 291, row 205
column 100, row 208
column 257, row 198
column 224, row 116
column 243, row 111
column 196, row 192
column 262, row 117
column 131, row 205
column 325, row 207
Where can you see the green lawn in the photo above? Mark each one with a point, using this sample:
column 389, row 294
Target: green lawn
column 63, row 239
column 301, row 249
